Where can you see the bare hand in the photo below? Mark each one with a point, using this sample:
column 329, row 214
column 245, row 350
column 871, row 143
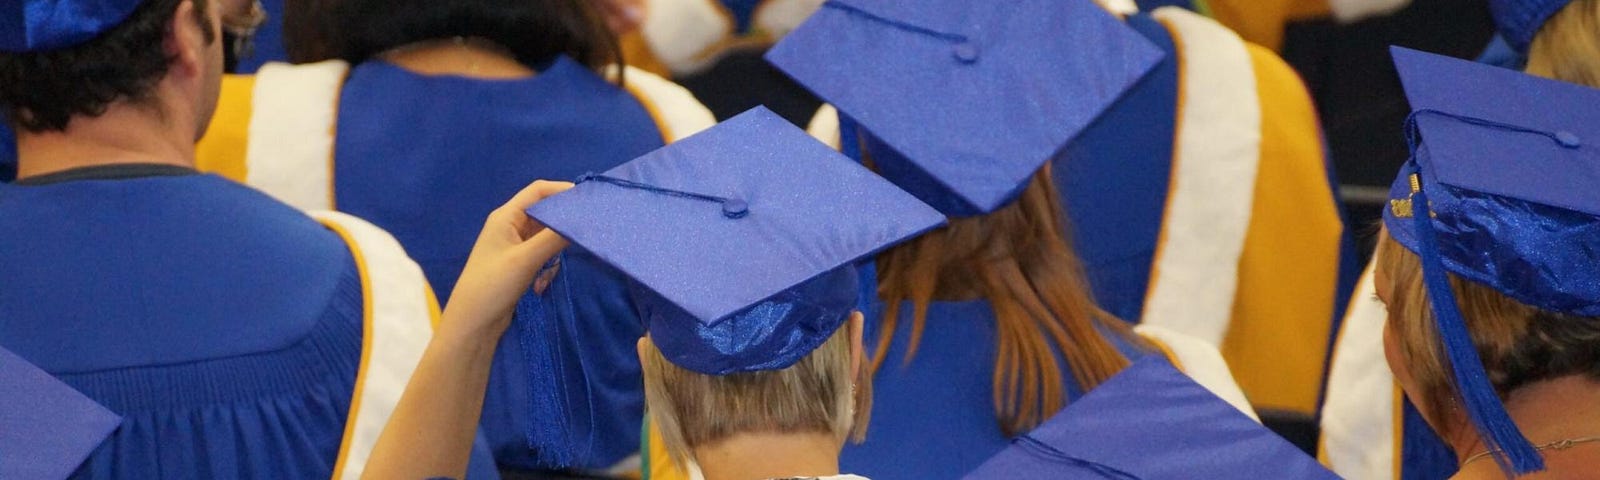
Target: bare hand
column 502, row 266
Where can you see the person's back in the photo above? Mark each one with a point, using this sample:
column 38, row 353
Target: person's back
column 434, row 125
column 145, row 293
column 236, row 336
column 969, row 345
column 1166, row 235
column 950, row 380
column 988, row 326
column 1551, row 39
column 753, row 365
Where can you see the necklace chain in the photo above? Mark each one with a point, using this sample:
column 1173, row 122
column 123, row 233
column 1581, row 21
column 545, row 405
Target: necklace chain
column 1556, row 445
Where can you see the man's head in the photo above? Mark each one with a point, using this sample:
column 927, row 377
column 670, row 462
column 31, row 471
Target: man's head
column 165, row 58
column 825, row 393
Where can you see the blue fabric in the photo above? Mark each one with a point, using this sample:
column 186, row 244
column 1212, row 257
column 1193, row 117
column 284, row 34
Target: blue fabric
column 8, row 153
column 1527, row 232
column 770, row 335
column 1423, row 456
column 925, row 79
column 1150, row 5
column 268, row 43
column 1502, row 156
column 1500, row 54
column 39, row 25
column 430, row 168
column 214, row 379
column 118, row 235
column 934, row 417
column 1519, row 21
column 46, row 428
column 1350, row 269
column 756, row 292
column 1113, row 181
column 744, row 13
column 1151, row 421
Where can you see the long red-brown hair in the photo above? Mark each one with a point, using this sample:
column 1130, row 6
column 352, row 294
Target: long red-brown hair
column 1018, row 258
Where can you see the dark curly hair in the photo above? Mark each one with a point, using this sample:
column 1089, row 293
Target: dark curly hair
column 535, row 31
column 42, row 91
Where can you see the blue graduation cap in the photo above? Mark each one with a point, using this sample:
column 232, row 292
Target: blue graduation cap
column 39, row 25
column 46, row 428
column 740, row 239
column 964, row 100
column 1500, row 190
column 1520, row 20
column 1150, row 422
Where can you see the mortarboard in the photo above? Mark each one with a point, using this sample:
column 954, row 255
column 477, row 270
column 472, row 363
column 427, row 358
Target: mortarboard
column 39, row 25
column 965, row 101
column 46, row 427
column 1499, row 190
column 739, row 242
column 1520, row 20
column 718, row 226
column 1150, row 422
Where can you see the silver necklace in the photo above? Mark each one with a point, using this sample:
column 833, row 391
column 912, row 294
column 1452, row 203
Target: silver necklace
column 1556, row 445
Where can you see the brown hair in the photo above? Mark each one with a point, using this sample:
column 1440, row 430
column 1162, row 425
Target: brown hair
column 1567, row 47
column 534, row 32
column 1518, row 344
column 1018, row 258
column 818, row 394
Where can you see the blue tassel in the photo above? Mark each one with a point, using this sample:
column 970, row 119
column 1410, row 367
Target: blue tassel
column 548, row 430
column 849, row 137
column 1513, row 452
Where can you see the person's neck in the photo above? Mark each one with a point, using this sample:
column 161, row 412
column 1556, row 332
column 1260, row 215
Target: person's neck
column 124, row 134
column 763, row 456
column 1565, row 408
column 463, row 57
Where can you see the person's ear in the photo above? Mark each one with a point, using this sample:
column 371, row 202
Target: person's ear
column 858, row 353
column 185, row 41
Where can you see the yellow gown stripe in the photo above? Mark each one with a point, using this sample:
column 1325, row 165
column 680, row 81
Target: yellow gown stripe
column 1263, row 21
column 661, row 465
column 223, row 148
column 398, row 319
column 435, row 313
column 366, row 344
column 650, row 107
column 1288, row 273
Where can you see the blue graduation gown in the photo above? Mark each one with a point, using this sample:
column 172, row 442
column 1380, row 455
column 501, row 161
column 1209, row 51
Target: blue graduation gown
column 1107, row 177
column 431, row 168
column 934, row 418
column 8, row 154
column 225, row 327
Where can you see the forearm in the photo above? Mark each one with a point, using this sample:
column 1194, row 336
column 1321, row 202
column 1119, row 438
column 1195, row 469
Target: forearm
column 431, row 431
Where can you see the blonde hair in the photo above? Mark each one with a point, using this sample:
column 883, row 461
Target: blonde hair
column 1020, row 260
column 1567, row 47
column 819, row 394
column 1518, row 344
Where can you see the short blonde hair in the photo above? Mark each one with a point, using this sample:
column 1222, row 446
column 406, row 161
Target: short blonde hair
column 818, row 394
column 1518, row 344
column 1567, row 47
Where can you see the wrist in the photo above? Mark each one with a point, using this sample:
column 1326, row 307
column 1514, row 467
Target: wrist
column 463, row 333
